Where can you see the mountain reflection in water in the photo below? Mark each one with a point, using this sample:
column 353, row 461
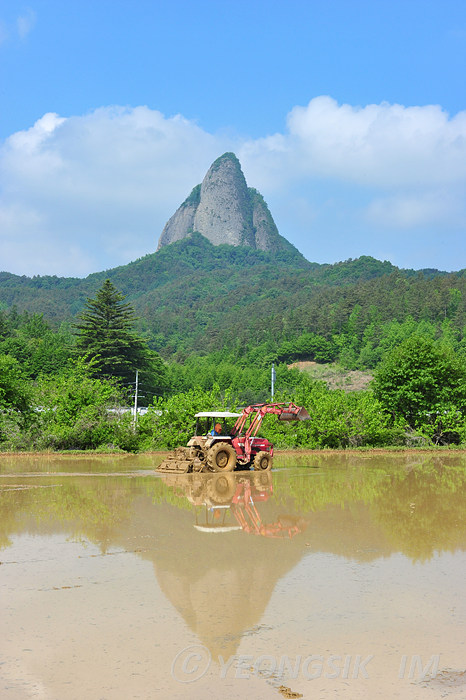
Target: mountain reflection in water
column 219, row 544
column 217, row 578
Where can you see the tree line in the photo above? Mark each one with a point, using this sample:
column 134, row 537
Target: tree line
column 63, row 388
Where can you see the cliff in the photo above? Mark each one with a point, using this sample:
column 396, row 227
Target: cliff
column 225, row 210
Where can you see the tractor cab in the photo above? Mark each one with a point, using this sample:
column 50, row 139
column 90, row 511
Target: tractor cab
column 212, row 426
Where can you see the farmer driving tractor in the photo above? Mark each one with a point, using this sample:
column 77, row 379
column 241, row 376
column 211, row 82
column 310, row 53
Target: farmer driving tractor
column 222, row 449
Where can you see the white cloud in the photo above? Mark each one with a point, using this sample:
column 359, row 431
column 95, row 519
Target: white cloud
column 85, row 193
column 21, row 28
column 105, row 183
column 377, row 145
column 25, row 23
column 408, row 211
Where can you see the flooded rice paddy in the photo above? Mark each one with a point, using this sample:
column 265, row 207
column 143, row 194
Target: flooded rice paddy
column 334, row 576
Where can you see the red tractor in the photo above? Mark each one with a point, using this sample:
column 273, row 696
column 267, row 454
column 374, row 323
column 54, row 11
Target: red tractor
column 218, row 448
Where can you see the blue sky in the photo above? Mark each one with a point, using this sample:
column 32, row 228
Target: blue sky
column 348, row 116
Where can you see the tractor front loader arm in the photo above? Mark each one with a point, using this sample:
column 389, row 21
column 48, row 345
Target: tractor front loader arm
column 284, row 411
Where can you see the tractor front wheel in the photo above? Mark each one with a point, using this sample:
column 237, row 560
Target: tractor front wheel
column 221, row 457
column 262, row 461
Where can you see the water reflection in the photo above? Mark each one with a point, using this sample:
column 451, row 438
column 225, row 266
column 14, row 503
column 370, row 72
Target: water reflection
column 218, row 579
column 264, row 525
column 228, row 502
column 414, row 504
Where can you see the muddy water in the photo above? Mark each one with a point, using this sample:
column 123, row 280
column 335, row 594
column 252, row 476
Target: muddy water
column 339, row 576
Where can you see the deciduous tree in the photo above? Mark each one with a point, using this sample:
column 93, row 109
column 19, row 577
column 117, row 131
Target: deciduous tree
column 426, row 384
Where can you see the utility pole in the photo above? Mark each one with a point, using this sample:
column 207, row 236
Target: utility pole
column 135, row 420
column 273, row 379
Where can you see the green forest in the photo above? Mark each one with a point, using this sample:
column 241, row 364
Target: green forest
column 202, row 325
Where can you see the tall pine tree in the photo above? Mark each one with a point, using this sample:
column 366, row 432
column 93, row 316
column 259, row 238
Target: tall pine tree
column 106, row 337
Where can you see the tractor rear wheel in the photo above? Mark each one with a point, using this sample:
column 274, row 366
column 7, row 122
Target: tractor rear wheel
column 221, row 488
column 221, row 457
column 263, row 461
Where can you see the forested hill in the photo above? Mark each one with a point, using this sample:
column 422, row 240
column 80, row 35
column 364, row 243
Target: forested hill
column 192, row 296
column 60, row 298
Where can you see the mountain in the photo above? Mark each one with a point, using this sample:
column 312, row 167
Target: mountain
column 224, row 278
column 196, row 297
column 174, row 271
column 226, row 211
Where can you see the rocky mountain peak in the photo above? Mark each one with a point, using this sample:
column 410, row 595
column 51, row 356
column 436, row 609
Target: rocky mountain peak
column 225, row 210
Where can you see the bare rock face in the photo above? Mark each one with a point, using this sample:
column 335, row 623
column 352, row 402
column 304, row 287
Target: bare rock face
column 225, row 210
column 266, row 233
column 181, row 223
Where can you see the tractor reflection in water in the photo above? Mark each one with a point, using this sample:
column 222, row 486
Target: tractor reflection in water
column 228, row 502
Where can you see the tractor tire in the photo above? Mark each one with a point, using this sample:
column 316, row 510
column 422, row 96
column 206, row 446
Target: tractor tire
column 221, row 488
column 262, row 480
column 221, row 457
column 262, row 462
